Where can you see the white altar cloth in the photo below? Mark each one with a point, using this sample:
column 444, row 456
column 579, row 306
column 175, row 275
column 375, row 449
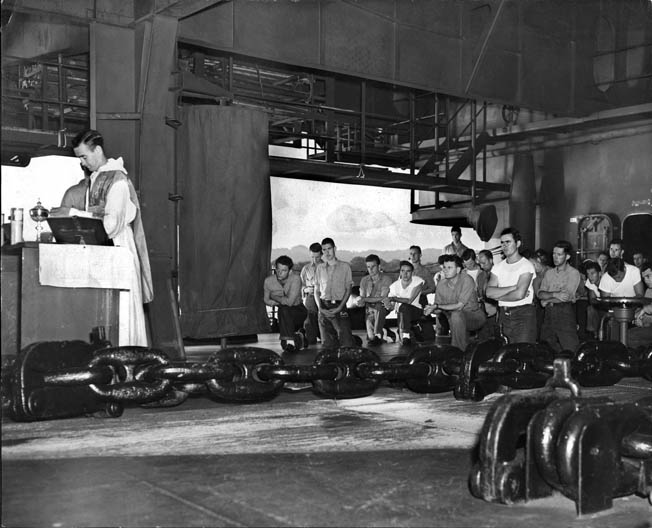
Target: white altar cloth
column 79, row 266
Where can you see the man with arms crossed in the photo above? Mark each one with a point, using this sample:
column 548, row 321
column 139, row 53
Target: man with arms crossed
column 511, row 285
column 557, row 294
column 333, row 283
column 374, row 288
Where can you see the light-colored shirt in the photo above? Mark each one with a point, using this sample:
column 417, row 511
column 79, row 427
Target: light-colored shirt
column 566, row 281
column 333, row 280
column 452, row 249
column 377, row 288
column 462, row 290
column 624, row 288
column 473, row 274
column 508, row 274
column 308, row 273
column 397, row 290
column 289, row 290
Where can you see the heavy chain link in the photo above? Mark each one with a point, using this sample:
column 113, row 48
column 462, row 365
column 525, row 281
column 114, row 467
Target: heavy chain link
column 247, row 374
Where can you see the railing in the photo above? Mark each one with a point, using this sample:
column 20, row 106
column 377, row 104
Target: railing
column 46, row 95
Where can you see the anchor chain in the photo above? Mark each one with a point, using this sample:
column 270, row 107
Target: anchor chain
column 56, row 379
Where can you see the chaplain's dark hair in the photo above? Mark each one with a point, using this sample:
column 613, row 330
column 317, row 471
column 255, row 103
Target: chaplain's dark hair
column 328, row 240
column 315, row 247
column 285, row 260
column 406, row 263
column 92, row 138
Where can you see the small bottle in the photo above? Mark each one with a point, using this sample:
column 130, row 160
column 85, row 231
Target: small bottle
column 17, row 225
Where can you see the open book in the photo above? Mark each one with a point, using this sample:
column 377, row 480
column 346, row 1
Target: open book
column 79, row 230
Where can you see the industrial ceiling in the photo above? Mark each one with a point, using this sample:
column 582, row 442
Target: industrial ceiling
column 370, row 82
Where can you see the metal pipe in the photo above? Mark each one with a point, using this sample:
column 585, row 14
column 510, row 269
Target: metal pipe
column 473, row 153
column 448, row 138
column 363, row 120
column 484, row 150
column 413, row 137
column 436, row 132
column 61, row 90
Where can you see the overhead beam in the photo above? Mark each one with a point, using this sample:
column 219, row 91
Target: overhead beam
column 178, row 9
column 373, row 176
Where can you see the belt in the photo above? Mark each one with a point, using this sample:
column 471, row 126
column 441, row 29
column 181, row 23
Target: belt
column 508, row 309
column 329, row 304
column 559, row 305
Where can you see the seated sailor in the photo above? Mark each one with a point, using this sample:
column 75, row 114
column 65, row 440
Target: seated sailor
column 457, row 298
column 404, row 297
column 374, row 288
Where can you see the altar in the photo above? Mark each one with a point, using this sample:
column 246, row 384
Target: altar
column 57, row 292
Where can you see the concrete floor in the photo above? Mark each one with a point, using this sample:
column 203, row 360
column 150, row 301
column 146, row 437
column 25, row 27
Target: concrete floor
column 395, row 458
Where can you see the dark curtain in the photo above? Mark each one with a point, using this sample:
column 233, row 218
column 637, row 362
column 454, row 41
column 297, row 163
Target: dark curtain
column 225, row 221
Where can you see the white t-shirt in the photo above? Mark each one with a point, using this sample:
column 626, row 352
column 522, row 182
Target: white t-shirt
column 397, row 290
column 508, row 274
column 624, row 288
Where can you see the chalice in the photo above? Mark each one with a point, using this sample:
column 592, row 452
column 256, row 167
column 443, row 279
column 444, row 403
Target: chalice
column 38, row 213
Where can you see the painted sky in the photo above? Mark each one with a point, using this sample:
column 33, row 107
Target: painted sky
column 357, row 217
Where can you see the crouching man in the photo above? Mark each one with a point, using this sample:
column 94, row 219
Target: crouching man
column 283, row 290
